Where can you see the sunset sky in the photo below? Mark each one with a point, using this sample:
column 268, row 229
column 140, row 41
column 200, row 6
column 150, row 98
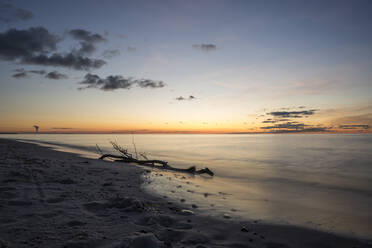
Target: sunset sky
column 186, row 66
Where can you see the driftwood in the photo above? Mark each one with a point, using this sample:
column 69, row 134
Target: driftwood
column 126, row 157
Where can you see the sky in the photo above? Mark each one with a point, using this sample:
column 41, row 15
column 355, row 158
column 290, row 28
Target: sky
column 185, row 66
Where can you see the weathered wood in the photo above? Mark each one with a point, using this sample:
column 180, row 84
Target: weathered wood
column 128, row 158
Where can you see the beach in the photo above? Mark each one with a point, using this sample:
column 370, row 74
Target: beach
column 50, row 198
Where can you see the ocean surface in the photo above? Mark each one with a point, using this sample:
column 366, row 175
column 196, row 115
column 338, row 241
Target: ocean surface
column 321, row 181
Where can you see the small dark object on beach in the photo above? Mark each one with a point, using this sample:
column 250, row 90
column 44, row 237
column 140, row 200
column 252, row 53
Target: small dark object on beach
column 244, row 229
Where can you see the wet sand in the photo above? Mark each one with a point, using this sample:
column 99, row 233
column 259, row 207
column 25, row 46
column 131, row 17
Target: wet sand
column 56, row 199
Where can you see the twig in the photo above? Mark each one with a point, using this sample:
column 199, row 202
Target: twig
column 134, row 145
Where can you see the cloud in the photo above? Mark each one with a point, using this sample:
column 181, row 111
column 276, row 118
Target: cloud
column 114, row 82
column 205, row 47
column 36, row 46
column 108, row 54
column 62, row 128
column 181, row 98
column 55, row 75
column 275, row 120
column 292, row 114
column 147, row 83
column 283, row 121
column 291, row 127
column 69, row 60
column 20, row 75
column 87, row 40
column 288, row 125
column 360, row 126
column 40, row 72
column 15, row 44
column 131, row 49
column 10, row 13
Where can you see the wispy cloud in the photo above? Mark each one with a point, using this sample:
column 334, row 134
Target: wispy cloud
column 359, row 126
column 205, row 47
column 295, row 127
column 292, row 114
column 114, row 82
column 87, row 40
column 22, row 73
column 181, row 98
column 55, row 75
column 131, row 49
column 108, row 54
column 10, row 13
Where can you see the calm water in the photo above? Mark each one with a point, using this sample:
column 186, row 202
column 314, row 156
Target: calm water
column 318, row 181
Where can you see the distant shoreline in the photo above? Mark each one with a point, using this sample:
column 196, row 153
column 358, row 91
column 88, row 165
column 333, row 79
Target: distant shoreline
column 190, row 133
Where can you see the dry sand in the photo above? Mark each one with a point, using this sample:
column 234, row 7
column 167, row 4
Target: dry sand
column 57, row 199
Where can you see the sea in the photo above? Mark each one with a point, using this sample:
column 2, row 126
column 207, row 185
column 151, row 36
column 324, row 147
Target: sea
column 318, row 181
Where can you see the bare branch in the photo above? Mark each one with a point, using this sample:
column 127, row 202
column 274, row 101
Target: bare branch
column 135, row 148
column 98, row 150
column 128, row 158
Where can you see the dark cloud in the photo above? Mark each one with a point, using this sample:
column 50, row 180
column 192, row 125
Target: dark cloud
column 359, row 126
column 62, row 128
column 20, row 75
column 18, row 44
column 10, row 13
column 35, row 46
column 87, row 40
column 108, row 54
column 107, row 84
column 205, row 47
column 40, row 72
column 68, row 60
column 147, row 83
column 288, row 125
column 293, row 127
column 115, row 82
column 131, row 49
column 55, row 75
column 275, row 120
column 181, row 98
column 84, row 35
column 292, row 114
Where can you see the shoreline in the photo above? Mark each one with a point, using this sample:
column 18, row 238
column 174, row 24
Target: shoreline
column 57, row 199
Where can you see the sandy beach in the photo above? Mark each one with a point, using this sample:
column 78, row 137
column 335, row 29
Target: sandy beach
column 57, row 199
